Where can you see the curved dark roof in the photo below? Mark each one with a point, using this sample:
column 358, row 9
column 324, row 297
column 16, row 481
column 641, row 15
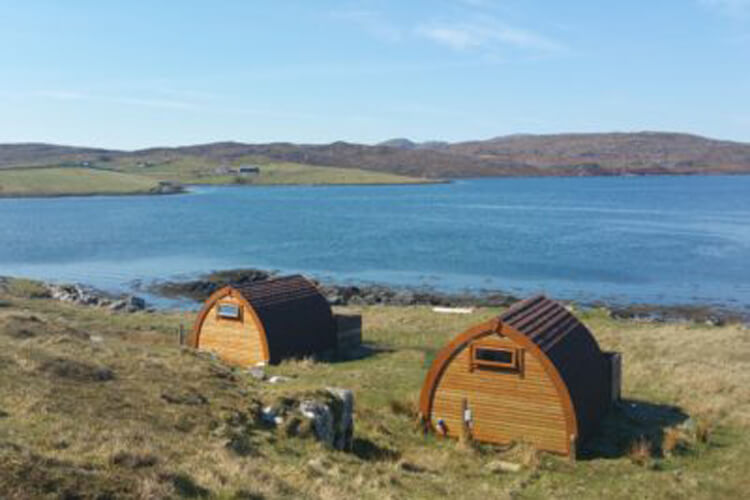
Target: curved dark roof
column 572, row 349
column 297, row 319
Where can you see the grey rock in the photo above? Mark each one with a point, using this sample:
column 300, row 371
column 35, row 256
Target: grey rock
column 131, row 303
column 167, row 187
column 270, row 416
column 344, row 424
column 322, row 419
column 257, row 373
column 329, row 415
column 82, row 295
column 190, row 398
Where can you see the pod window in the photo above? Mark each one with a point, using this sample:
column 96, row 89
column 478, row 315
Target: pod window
column 494, row 357
column 229, row 311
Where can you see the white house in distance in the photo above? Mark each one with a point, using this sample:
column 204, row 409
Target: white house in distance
column 242, row 170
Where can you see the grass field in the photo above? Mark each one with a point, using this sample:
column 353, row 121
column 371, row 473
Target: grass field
column 192, row 170
column 134, row 178
column 70, row 181
column 82, row 412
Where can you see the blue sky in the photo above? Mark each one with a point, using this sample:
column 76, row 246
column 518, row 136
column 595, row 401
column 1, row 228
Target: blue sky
column 133, row 74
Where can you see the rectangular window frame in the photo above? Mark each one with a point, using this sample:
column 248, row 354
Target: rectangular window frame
column 513, row 365
column 223, row 317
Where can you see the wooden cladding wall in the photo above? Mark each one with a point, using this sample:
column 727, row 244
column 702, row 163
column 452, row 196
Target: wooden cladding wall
column 505, row 406
column 234, row 341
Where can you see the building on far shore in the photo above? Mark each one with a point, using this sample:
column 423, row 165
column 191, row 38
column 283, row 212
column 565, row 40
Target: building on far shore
column 248, row 170
column 242, row 170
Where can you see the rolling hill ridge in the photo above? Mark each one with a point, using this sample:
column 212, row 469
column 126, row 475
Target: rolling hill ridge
column 640, row 153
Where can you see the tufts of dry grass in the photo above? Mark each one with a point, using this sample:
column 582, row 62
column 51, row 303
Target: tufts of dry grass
column 407, row 408
column 640, row 451
column 674, row 441
column 173, row 423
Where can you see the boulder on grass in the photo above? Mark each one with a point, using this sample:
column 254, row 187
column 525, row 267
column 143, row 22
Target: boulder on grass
column 328, row 414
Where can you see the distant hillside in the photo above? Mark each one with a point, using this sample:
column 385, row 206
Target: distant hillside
column 516, row 155
column 37, row 154
column 402, row 143
column 646, row 152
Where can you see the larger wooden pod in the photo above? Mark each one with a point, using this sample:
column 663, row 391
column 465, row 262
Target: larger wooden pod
column 265, row 322
column 534, row 374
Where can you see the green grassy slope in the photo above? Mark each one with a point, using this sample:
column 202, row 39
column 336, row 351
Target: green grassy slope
column 70, row 181
column 83, row 412
column 128, row 177
column 194, row 170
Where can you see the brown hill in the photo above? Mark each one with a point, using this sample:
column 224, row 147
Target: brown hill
column 645, row 152
column 518, row 155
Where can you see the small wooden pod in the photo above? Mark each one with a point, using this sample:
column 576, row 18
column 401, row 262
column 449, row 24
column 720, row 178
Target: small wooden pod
column 265, row 322
column 535, row 374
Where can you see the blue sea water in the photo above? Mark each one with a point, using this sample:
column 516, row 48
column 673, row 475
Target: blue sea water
column 625, row 239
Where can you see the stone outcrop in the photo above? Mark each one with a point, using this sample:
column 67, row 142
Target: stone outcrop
column 77, row 294
column 86, row 296
column 168, row 187
column 327, row 415
column 130, row 303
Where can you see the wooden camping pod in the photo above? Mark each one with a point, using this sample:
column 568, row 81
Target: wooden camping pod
column 265, row 322
column 534, row 374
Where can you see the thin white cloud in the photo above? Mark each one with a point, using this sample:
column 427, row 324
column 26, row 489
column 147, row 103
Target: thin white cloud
column 474, row 28
column 488, row 34
column 456, row 37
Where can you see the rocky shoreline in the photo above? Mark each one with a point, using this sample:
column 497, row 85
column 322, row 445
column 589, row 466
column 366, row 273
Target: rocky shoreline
column 199, row 289
column 337, row 294
column 83, row 295
column 374, row 294
column 75, row 293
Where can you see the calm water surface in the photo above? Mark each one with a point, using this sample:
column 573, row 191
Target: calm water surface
column 627, row 239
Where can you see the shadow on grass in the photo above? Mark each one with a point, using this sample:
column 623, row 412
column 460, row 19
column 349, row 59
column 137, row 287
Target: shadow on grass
column 186, row 487
column 361, row 352
column 630, row 421
column 367, row 450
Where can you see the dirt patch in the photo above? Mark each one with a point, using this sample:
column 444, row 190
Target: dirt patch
column 26, row 326
column 134, row 460
column 26, row 475
column 185, row 486
column 190, row 397
column 21, row 327
column 75, row 370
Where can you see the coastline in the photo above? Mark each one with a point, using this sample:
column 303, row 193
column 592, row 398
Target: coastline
column 188, row 294
column 368, row 294
column 86, row 195
column 187, row 189
column 418, row 182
